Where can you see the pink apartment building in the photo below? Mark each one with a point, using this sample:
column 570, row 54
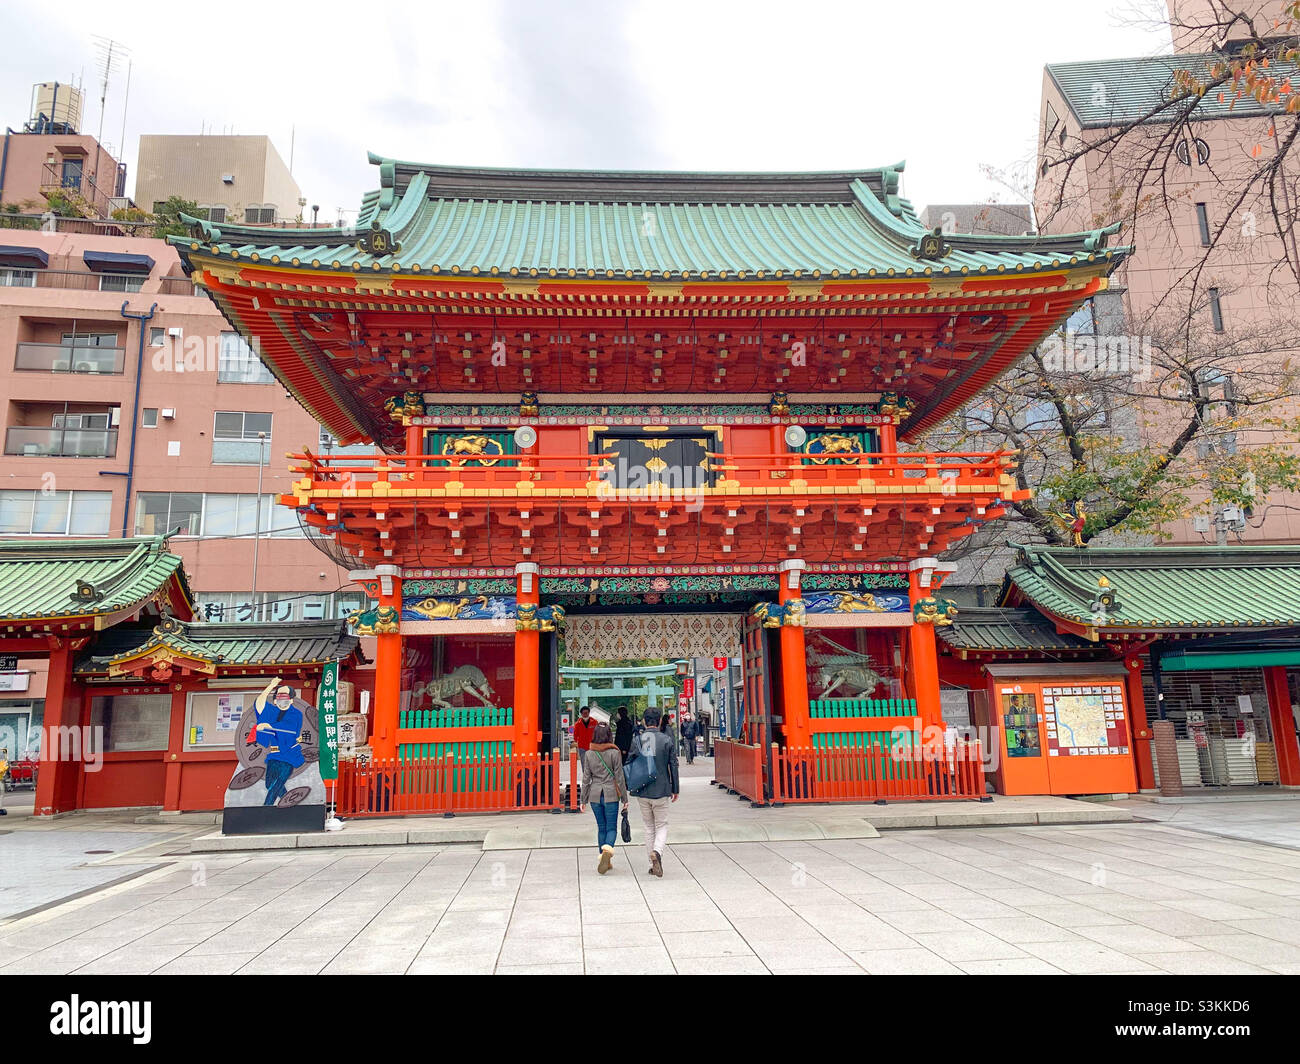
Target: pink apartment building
column 1241, row 293
column 131, row 406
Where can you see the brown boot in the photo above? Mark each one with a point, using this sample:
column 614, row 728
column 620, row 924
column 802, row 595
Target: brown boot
column 656, row 865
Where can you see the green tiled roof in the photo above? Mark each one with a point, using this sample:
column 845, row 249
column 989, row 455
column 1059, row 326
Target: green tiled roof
column 1111, row 92
column 47, row 578
column 1162, row 588
column 1005, row 628
column 229, row 644
column 603, row 224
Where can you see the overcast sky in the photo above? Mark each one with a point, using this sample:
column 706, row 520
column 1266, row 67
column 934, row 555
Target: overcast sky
column 621, row 84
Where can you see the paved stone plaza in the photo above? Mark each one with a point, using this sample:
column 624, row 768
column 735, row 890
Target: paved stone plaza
column 1096, row 898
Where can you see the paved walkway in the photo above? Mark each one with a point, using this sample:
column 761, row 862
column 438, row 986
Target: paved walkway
column 1087, row 899
column 1273, row 819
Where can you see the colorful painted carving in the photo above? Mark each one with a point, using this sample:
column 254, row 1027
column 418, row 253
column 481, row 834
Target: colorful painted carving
column 791, row 614
column 936, row 611
column 410, row 404
column 528, row 404
column 482, row 450
column 534, row 618
column 466, row 608
column 891, row 405
column 464, row 680
column 779, row 406
column 834, row 446
column 854, row 602
column 381, row 621
column 1074, row 523
column 849, row 680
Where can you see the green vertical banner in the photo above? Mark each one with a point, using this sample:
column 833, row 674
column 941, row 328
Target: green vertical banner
column 327, row 707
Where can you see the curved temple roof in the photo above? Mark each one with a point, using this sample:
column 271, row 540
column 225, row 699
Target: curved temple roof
column 464, row 220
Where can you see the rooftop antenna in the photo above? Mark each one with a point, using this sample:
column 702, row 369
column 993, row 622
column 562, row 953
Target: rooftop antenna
column 110, row 53
column 125, row 103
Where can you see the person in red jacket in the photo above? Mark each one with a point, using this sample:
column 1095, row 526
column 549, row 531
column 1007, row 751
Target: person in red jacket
column 583, row 729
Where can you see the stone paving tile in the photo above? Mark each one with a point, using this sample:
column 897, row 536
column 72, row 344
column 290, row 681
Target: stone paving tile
column 642, row 960
column 1250, row 948
column 535, row 949
column 540, row 969
column 737, row 965
column 215, row 964
column 1011, row 966
column 1087, row 958
column 972, row 945
column 683, row 945
column 934, row 919
column 1023, row 929
column 611, row 936
column 913, row 961
column 1200, row 962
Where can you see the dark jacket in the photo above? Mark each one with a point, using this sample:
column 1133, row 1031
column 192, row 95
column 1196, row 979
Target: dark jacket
column 654, row 743
column 623, row 734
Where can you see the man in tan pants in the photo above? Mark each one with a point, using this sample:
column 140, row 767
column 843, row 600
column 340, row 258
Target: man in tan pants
column 655, row 798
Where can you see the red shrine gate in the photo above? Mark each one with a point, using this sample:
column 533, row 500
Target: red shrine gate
column 662, row 392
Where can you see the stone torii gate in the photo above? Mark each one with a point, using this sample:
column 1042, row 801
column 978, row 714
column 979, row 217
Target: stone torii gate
column 615, row 686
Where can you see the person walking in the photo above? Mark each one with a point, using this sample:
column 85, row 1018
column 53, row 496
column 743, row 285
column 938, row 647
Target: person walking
column 583, row 729
column 655, row 798
column 688, row 740
column 704, row 732
column 604, row 788
column 623, row 734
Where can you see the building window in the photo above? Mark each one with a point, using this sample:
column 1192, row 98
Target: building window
column 1216, row 310
column 214, row 515
column 1203, row 224
column 17, row 278
column 159, row 513
column 212, row 214
column 149, row 417
column 60, row 513
column 157, row 337
column 235, row 440
column 132, row 722
column 121, row 282
column 259, row 215
column 239, row 364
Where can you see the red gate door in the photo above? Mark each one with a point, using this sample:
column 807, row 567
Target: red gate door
column 756, row 665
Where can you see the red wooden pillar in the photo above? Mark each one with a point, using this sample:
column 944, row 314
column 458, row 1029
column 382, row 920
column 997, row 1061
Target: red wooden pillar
column 1137, row 715
column 924, row 649
column 388, row 668
column 794, row 660
column 176, row 747
column 61, row 765
column 1282, row 723
column 528, row 675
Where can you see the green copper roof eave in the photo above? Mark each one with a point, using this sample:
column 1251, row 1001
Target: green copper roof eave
column 1111, row 92
column 38, row 578
column 822, row 225
column 994, row 629
column 233, row 644
column 1163, row 588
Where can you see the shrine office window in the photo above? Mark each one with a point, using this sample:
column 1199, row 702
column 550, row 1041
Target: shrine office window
column 676, row 460
column 132, row 722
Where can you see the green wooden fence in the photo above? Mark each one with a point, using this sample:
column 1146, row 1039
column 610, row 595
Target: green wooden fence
column 856, row 708
column 463, row 752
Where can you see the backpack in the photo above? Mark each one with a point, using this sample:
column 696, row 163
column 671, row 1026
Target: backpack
column 642, row 769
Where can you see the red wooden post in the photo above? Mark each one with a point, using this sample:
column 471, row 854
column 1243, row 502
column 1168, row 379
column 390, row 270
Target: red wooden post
column 1137, row 715
column 794, row 660
column 1283, row 726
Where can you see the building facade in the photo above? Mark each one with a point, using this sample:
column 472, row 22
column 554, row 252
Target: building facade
column 132, row 407
column 232, row 178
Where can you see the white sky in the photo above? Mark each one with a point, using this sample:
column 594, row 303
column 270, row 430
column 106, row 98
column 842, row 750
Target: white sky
column 588, row 84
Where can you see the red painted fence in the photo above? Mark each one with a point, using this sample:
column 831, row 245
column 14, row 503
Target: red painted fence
column 443, row 785
column 739, row 768
column 876, row 773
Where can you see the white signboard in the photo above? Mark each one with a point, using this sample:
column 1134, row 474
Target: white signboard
column 14, row 681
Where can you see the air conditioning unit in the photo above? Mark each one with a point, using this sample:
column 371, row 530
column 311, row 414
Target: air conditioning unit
column 1201, row 523
column 175, row 330
column 227, row 179
column 115, row 416
column 84, row 367
column 168, row 412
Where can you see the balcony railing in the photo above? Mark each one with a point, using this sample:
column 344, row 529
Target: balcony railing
column 87, row 281
column 608, row 474
column 61, row 443
column 70, row 358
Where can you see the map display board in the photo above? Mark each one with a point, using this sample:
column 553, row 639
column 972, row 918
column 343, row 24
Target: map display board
column 1085, row 720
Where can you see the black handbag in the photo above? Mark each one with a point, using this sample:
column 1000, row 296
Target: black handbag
column 627, row 828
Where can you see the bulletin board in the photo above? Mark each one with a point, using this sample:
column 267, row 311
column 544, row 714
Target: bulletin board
column 1063, row 736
